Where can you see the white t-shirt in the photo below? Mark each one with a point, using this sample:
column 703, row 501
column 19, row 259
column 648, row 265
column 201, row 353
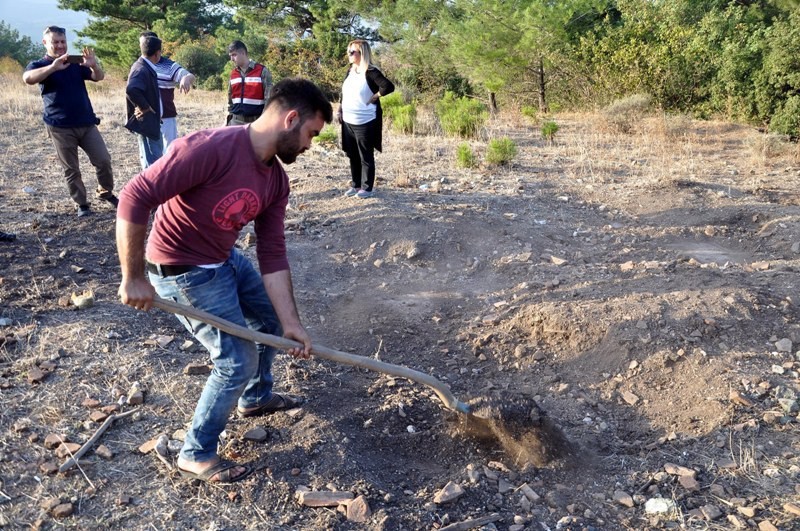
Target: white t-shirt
column 356, row 108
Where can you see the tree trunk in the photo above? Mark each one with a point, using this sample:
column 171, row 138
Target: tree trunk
column 540, row 75
column 492, row 102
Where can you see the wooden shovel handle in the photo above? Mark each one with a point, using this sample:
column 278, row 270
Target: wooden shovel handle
column 441, row 390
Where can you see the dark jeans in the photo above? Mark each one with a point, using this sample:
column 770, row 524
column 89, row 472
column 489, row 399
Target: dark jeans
column 359, row 144
column 67, row 140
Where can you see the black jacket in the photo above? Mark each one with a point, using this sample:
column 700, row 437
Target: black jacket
column 142, row 92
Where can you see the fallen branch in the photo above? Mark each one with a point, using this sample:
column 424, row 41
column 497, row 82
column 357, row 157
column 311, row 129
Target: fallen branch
column 73, row 460
column 472, row 523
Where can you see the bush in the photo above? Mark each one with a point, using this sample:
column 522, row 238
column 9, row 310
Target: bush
column 623, row 115
column 9, row 66
column 786, row 120
column 530, row 112
column 460, row 116
column 501, row 151
column 549, row 130
column 465, row 157
column 401, row 117
column 202, row 61
column 328, row 135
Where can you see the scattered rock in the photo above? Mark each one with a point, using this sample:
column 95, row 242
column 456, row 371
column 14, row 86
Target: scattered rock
column 766, row 525
column 677, row 470
column 147, row 447
column 197, row 368
column 135, row 395
column 62, row 510
column 104, row 452
column 737, row 398
column 91, row 403
column 83, row 301
column 689, row 483
column 323, row 498
column 711, row 512
column 736, row 522
column 623, row 498
column 358, row 510
column 529, row 493
column 451, row 492
column 49, row 468
column 98, row 416
column 258, row 434
column 784, row 345
column 67, row 449
column 503, row 486
column 36, row 375
column 659, row 506
column 747, row 512
column 627, row 266
column 792, row 508
column 630, row 398
column 54, row 440
column 123, row 499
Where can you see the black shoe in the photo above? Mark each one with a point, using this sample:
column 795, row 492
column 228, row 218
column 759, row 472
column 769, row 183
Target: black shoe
column 111, row 199
column 83, row 211
column 7, row 237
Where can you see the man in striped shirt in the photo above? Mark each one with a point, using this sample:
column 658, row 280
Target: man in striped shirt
column 249, row 87
column 171, row 75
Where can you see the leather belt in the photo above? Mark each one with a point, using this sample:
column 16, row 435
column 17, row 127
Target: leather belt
column 167, row 270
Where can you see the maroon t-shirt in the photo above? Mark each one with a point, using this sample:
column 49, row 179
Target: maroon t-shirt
column 207, row 187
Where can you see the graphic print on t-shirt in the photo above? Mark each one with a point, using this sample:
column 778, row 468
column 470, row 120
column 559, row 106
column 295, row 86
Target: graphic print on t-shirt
column 236, row 210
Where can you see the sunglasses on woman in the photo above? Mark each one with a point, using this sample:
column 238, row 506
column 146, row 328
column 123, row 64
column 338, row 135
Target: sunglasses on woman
column 352, row 52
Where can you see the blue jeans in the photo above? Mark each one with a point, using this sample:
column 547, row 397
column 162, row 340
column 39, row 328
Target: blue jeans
column 242, row 370
column 149, row 150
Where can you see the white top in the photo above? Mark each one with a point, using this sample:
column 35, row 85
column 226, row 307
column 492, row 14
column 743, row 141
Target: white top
column 356, row 108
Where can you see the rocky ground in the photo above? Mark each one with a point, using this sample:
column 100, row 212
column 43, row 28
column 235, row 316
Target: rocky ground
column 640, row 287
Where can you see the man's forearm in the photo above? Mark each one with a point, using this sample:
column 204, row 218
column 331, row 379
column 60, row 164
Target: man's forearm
column 281, row 294
column 37, row 75
column 130, row 247
column 97, row 73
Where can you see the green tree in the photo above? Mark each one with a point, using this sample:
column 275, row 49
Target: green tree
column 512, row 45
column 19, row 48
column 116, row 24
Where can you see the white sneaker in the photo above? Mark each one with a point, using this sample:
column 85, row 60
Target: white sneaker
column 363, row 194
column 351, row 192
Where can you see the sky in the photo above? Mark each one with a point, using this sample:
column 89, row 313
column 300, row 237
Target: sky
column 30, row 17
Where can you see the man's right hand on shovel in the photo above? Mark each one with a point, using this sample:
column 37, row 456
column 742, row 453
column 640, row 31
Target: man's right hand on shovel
column 137, row 292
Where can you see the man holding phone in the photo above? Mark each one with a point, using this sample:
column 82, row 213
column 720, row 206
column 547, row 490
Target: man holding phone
column 69, row 116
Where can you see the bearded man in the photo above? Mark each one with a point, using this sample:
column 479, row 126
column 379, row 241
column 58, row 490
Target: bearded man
column 207, row 187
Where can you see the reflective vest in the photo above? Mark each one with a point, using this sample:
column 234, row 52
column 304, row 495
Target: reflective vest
column 247, row 92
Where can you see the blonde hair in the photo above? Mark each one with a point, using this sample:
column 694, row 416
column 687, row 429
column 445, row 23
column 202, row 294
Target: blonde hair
column 363, row 47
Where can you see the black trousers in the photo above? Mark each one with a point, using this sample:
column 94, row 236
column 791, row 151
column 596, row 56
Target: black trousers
column 358, row 142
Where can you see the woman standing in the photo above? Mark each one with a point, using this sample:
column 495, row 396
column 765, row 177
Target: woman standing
column 361, row 117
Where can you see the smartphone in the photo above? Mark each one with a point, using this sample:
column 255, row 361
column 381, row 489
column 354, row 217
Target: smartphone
column 75, row 59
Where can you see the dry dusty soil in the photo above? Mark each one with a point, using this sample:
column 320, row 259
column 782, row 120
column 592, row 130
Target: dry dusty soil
column 640, row 287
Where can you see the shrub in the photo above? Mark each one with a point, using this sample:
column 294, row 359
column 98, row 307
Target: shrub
column 328, row 135
column 401, row 116
column 460, row 116
column 201, row 59
column 465, row 157
column 501, row 151
column 549, row 130
column 786, row 119
column 623, row 115
column 530, row 112
column 9, row 66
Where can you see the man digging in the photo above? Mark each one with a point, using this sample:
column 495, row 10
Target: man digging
column 207, row 187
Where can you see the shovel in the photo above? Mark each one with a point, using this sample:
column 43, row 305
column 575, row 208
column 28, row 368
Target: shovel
column 441, row 390
column 515, row 421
